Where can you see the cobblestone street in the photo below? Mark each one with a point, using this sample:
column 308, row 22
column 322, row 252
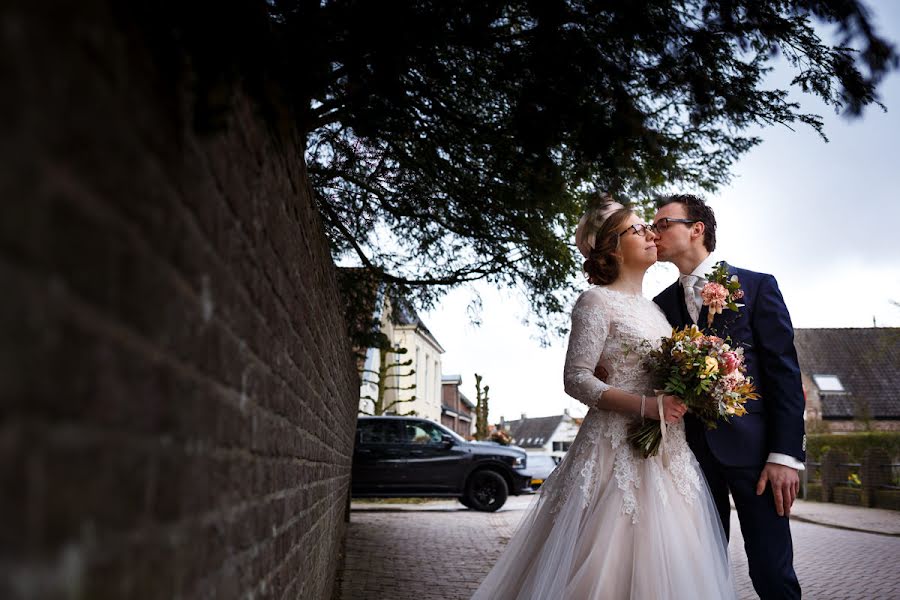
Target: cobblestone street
column 832, row 564
column 439, row 551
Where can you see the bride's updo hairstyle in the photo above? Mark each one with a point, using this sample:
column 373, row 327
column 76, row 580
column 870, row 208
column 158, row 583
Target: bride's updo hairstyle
column 597, row 239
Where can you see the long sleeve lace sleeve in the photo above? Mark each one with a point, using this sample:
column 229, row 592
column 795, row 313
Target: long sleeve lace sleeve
column 590, row 328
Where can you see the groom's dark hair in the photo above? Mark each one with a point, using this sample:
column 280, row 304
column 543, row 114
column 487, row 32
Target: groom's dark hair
column 698, row 210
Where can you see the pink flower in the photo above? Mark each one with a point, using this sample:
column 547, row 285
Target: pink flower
column 733, row 379
column 715, row 296
column 732, row 362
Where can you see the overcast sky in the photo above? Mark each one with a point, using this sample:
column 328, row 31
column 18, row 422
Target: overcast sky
column 824, row 218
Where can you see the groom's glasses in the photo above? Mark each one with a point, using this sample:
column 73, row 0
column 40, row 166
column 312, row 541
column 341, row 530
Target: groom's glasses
column 638, row 229
column 663, row 224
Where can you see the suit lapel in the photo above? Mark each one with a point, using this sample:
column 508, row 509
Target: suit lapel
column 671, row 300
column 704, row 315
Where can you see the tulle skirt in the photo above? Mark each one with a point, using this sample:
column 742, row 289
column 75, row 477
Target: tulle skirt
column 610, row 525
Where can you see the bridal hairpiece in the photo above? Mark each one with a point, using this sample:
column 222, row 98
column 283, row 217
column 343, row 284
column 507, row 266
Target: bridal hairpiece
column 586, row 232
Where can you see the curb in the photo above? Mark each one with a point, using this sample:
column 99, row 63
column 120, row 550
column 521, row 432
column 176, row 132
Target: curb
column 844, row 527
column 812, row 521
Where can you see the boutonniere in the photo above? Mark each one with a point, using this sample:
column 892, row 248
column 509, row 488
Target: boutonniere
column 721, row 292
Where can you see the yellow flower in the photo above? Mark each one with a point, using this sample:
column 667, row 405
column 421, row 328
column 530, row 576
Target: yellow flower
column 712, row 366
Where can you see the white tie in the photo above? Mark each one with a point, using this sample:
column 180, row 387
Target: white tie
column 692, row 286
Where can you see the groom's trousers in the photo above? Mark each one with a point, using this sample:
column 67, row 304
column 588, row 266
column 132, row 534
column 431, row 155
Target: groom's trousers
column 767, row 536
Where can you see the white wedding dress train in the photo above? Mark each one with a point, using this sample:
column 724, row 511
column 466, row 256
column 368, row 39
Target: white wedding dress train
column 608, row 524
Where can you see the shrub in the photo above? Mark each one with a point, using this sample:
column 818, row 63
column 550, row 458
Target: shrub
column 854, row 444
column 501, row 437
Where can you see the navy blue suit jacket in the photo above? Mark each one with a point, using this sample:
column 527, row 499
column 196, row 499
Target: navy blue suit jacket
column 774, row 422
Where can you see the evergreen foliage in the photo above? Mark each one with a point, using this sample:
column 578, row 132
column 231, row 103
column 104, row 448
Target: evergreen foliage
column 449, row 142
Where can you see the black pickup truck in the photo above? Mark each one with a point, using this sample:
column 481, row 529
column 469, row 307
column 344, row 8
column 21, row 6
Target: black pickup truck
column 415, row 457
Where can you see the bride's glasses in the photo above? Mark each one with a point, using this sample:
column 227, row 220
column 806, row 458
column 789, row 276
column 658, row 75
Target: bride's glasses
column 638, row 229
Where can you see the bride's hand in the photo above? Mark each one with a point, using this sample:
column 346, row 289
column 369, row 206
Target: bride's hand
column 672, row 407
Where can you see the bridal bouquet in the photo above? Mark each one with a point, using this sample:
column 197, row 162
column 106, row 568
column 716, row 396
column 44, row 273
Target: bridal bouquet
column 705, row 372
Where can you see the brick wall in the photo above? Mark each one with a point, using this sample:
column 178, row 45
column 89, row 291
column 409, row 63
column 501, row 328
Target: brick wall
column 451, row 397
column 177, row 409
column 858, row 426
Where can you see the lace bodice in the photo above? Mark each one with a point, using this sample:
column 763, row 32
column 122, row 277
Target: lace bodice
column 608, row 329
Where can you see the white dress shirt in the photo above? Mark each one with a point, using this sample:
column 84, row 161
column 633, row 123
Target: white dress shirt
column 705, row 267
column 701, row 271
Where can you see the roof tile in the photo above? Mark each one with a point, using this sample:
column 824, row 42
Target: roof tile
column 867, row 361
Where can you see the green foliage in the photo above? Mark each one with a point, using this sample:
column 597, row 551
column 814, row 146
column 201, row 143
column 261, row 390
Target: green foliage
column 453, row 141
column 855, row 444
column 361, row 292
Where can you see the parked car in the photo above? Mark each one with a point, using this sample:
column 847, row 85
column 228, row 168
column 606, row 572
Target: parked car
column 540, row 466
column 415, row 457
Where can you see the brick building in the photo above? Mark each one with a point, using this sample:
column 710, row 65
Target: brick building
column 457, row 411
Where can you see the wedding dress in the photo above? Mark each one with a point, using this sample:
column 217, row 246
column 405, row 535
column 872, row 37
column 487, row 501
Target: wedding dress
column 608, row 524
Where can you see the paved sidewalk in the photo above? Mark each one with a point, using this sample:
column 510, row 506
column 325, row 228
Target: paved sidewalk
column 854, row 518
column 439, row 549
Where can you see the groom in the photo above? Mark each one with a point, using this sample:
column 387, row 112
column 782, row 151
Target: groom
column 756, row 457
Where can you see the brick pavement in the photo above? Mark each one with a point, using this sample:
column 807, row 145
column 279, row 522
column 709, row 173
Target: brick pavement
column 442, row 551
column 832, row 564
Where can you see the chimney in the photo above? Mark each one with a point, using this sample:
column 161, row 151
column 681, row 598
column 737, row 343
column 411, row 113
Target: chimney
column 524, row 417
column 502, row 422
column 566, row 412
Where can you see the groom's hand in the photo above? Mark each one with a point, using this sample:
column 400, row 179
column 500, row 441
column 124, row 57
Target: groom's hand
column 785, row 484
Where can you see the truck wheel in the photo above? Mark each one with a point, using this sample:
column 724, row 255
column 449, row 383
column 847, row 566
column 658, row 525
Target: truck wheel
column 486, row 491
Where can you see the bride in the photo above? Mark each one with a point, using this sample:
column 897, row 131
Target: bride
column 609, row 524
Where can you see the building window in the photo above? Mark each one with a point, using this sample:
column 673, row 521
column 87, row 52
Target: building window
column 561, row 446
column 436, row 386
column 829, row 384
column 426, row 391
